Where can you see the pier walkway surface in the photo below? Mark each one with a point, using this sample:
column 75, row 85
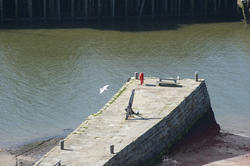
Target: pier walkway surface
column 90, row 143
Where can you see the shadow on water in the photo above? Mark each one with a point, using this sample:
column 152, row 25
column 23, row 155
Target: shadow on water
column 129, row 25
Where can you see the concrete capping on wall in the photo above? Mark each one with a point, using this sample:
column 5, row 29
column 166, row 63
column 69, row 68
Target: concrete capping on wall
column 169, row 130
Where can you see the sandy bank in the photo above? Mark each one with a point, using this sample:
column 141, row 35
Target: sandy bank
column 224, row 148
column 28, row 154
column 206, row 144
column 6, row 159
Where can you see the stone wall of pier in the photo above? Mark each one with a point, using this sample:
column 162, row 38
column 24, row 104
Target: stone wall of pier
column 168, row 131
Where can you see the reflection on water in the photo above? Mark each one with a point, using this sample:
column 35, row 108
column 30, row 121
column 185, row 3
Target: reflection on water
column 50, row 78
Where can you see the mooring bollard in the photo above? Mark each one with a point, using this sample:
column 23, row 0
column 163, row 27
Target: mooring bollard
column 196, row 76
column 136, row 75
column 112, row 147
column 62, row 144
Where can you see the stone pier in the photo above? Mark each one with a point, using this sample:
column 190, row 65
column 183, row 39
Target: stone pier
column 166, row 113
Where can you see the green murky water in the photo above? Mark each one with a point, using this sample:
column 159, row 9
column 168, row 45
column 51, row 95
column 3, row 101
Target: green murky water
column 50, row 78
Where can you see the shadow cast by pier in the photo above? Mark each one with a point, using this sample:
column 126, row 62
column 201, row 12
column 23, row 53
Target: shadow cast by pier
column 205, row 144
column 209, row 149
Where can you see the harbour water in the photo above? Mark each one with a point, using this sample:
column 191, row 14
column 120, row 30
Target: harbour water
column 50, row 78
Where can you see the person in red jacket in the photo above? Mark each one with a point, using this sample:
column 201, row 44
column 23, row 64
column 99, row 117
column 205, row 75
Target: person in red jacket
column 141, row 77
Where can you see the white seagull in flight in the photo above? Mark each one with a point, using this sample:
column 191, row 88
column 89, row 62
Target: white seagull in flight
column 103, row 89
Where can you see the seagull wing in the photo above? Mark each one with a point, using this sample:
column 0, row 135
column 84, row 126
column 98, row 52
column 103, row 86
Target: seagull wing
column 104, row 88
column 101, row 90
